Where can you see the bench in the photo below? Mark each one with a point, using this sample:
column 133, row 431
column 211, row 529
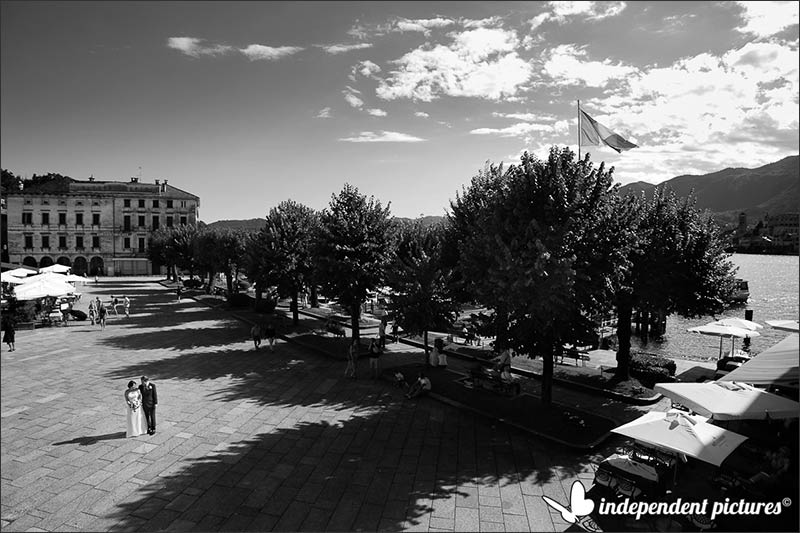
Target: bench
column 577, row 355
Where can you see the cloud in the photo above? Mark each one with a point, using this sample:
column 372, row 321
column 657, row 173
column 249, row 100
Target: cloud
column 421, row 114
column 377, row 112
column 767, row 18
column 478, row 63
column 382, row 137
column 335, row 49
column 588, row 10
column 538, row 20
column 518, row 116
column 259, row 52
column 520, row 129
column 352, row 99
column 567, row 65
column 422, row 25
column 194, row 47
column 482, row 23
column 325, row 112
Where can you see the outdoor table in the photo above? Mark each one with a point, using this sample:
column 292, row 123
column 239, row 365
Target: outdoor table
column 642, row 476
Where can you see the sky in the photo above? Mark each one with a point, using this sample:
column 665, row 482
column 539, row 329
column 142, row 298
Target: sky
column 248, row 104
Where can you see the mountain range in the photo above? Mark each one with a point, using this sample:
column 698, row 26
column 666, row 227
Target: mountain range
column 770, row 189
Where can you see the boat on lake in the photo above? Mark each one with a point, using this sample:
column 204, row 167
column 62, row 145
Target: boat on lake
column 741, row 293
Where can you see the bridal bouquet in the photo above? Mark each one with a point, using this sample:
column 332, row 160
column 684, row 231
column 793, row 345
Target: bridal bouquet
column 135, row 403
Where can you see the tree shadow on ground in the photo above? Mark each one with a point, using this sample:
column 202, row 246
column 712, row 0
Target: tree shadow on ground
column 180, row 338
column 93, row 439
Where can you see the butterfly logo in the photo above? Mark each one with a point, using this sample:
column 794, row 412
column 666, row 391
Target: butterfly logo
column 580, row 507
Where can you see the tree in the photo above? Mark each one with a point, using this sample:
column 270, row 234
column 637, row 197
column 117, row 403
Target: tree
column 533, row 246
column 174, row 247
column 221, row 250
column 420, row 282
column 675, row 263
column 285, row 249
column 352, row 249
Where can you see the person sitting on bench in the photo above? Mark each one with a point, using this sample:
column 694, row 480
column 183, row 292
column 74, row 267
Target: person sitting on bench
column 421, row 386
column 502, row 363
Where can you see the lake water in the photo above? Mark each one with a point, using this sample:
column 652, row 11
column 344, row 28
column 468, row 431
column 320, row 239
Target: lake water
column 774, row 292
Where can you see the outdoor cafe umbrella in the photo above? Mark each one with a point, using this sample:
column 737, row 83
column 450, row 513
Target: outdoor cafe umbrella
column 57, row 268
column 684, row 434
column 739, row 323
column 727, row 400
column 6, row 278
column 785, row 325
column 777, row 365
column 723, row 332
column 42, row 288
column 20, row 272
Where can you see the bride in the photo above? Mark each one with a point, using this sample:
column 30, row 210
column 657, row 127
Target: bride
column 135, row 415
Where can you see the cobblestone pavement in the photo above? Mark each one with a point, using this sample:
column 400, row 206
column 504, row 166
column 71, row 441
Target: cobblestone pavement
column 247, row 440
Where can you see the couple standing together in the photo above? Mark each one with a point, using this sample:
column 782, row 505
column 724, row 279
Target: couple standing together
column 142, row 401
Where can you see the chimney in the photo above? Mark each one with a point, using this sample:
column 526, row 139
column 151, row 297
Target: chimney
column 134, row 179
column 164, row 187
column 91, row 178
column 157, row 181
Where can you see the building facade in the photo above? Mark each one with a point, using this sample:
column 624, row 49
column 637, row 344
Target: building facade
column 95, row 227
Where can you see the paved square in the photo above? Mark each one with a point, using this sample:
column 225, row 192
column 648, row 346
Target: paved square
column 246, row 440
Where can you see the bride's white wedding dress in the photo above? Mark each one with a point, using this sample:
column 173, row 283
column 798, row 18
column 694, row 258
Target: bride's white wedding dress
column 135, row 417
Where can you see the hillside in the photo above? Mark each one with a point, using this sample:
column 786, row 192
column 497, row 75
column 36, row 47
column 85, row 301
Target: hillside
column 772, row 188
column 250, row 224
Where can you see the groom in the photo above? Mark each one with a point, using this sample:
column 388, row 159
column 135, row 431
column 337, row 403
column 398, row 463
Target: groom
column 149, row 402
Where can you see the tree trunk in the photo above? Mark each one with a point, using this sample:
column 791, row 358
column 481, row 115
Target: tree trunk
column 229, row 281
column 547, row 374
column 313, row 296
column 645, row 335
column 295, row 314
column 355, row 314
column 258, row 291
column 624, row 312
column 425, row 345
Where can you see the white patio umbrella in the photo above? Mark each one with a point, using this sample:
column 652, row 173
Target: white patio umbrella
column 683, row 433
column 60, row 269
column 723, row 332
column 43, row 276
column 72, row 278
column 726, row 400
column 739, row 323
column 777, row 365
column 21, row 272
column 785, row 325
column 5, row 277
column 42, row 289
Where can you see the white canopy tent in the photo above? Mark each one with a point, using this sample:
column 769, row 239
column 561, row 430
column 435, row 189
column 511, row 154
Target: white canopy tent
column 718, row 330
column 778, row 365
column 684, row 434
column 5, row 277
column 727, row 400
column 43, row 288
column 57, row 268
column 20, row 272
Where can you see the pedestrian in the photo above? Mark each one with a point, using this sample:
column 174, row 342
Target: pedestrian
column 102, row 314
column 9, row 333
column 382, row 333
column 421, row 386
column 178, row 290
column 114, row 304
column 352, row 358
column 438, row 346
column 149, row 403
column 433, row 357
column 255, row 333
column 394, row 331
column 127, row 305
column 270, row 334
column 135, row 414
column 92, row 312
column 374, row 357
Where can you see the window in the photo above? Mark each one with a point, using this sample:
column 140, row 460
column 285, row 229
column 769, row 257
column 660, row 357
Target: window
column 45, row 202
column 155, row 203
column 95, row 219
column 141, row 221
column 45, row 241
column 28, row 241
column 95, row 241
column 141, row 244
column 126, row 243
column 126, row 223
column 45, row 219
column 79, row 202
column 126, row 202
column 141, row 203
column 169, row 221
column 27, row 218
column 183, row 203
column 62, row 241
column 62, row 219
column 169, row 204
column 28, row 202
column 79, row 242
column 79, row 219
column 155, row 222
column 183, row 221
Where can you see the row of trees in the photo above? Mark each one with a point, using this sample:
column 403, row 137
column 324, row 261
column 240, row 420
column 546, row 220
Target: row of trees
column 545, row 246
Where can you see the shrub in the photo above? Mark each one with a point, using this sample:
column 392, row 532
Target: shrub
column 266, row 305
column 646, row 362
column 193, row 283
column 239, row 300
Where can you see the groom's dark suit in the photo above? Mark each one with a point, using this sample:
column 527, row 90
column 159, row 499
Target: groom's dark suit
column 149, row 402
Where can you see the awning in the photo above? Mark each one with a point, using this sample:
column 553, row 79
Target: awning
column 777, row 365
column 729, row 400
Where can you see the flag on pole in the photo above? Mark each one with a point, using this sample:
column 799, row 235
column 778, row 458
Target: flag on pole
column 592, row 132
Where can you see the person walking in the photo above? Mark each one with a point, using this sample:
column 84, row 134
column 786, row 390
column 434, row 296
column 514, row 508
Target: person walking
column 114, row 304
column 9, row 333
column 92, row 312
column 126, row 302
column 382, row 334
column 102, row 314
column 270, row 334
column 179, row 290
column 438, row 347
column 352, row 358
column 149, row 403
column 255, row 333
column 374, row 357
column 394, row 331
